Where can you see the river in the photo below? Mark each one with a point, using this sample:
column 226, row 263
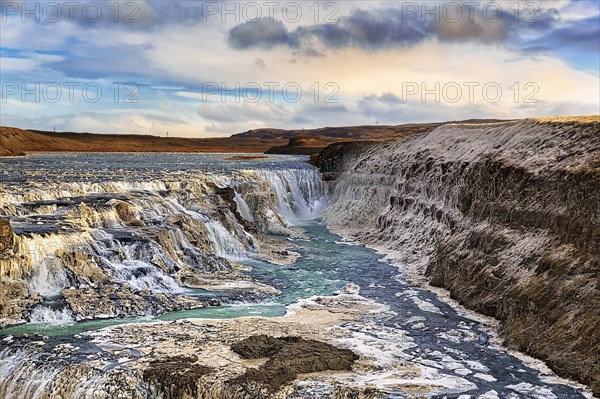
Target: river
column 417, row 326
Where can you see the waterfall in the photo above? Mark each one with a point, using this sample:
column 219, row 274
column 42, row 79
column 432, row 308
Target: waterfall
column 116, row 243
column 47, row 274
column 224, row 243
column 49, row 277
column 46, row 315
column 243, row 207
column 299, row 193
column 143, row 276
column 86, row 239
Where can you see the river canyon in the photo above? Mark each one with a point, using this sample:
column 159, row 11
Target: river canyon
column 210, row 276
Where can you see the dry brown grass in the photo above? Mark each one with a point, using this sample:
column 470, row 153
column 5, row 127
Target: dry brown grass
column 569, row 119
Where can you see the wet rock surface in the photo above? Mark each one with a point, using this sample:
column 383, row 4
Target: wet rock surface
column 181, row 359
column 115, row 240
column 110, row 301
column 15, row 301
column 175, row 377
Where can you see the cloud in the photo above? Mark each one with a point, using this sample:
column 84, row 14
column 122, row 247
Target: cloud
column 244, row 112
column 578, row 42
column 365, row 29
column 582, row 35
column 385, row 28
column 263, row 32
column 386, row 98
column 369, row 54
column 122, row 61
column 370, row 30
column 260, row 62
column 139, row 15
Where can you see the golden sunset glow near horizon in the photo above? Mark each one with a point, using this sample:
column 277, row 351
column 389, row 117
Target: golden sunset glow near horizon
column 206, row 68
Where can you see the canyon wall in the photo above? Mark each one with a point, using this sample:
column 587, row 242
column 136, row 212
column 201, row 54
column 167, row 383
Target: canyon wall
column 505, row 216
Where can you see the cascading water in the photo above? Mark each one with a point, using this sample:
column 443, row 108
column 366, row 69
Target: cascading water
column 299, row 192
column 243, row 207
column 153, row 232
column 224, row 243
column 140, row 241
column 48, row 278
column 46, row 315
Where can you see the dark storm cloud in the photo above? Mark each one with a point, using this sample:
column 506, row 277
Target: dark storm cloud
column 391, row 28
column 370, row 30
column 264, row 32
column 364, row 29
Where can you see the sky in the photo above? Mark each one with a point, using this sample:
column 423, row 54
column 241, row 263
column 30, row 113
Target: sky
column 215, row 68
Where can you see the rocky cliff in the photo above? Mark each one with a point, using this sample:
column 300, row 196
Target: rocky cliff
column 505, row 216
column 335, row 158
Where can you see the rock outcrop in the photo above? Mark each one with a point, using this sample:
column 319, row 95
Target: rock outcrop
column 14, row 294
column 175, row 377
column 15, row 300
column 7, row 237
column 288, row 357
column 505, row 216
column 336, row 158
column 111, row 301
column 301, row 145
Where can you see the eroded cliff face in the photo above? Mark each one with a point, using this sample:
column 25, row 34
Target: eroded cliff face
column 505, row 216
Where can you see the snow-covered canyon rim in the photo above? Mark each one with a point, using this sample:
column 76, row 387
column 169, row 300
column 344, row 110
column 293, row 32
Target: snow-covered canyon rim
column 505, row 216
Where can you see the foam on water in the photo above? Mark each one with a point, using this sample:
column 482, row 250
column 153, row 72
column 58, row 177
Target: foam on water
column 46, row 315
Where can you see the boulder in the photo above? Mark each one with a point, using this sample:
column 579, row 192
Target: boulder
column 126, row 212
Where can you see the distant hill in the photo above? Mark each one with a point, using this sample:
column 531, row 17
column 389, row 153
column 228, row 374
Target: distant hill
column 365, row 132
column 14, row 141
column 342, row 132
